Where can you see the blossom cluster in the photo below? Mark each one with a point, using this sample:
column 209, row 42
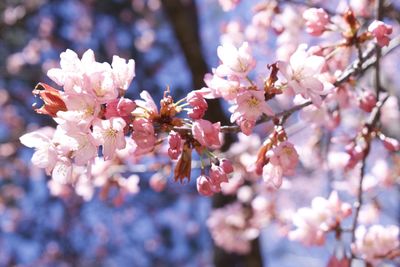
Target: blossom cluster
column 323, row 216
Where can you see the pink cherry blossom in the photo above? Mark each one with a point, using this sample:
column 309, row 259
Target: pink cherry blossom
column 62, row 172
column 45, row 155
column 86, row 150
column 220, row 87
column 246, row 126
column 283, row 160
column 316, row 20
column 143, row 135
column 206, row 133
column 147, row 105
column 122, row 107
column 226, row 165
column 380, row 31
column 110, row 134
column 158, row 181
column 302, row 75
column 367, row 101
column 217, row 176
column 391, row 144
column 323, row 215
column 69, row 75
column 238, row 62
column 82, row 110
column 175, row 145
column 204, row 186
column 250, row 105
column 100, row 82
column 198, row 104
column 374, row 243
column 228, row 5
column 123, row 72
column 230, row 229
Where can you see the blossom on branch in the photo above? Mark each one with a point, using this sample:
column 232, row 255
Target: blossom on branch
column 380, row 31
column 316, row 20
column 376, row 242
column 237, row 62
column 302, row 75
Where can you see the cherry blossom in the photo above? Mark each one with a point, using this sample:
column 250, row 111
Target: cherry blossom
column 199, row 104
column 123, row 72
column 250, row 105
column 109, row 134
column 376, row 242
column 204, row 185
column 323, row 215
column 237, row 62
column 228, row 5
column 206, row 133
column 316, row 20
column 175, row 145
column 45, row 155
column 283, row 160
column 302, row 75
column 143, row 135
column 380, row 31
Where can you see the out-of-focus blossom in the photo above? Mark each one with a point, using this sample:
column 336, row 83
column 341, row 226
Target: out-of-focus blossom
column 229, row 229
column 204, row 185
column 226, row 165
column 376, row 242
column 158, row 182
column 367, row 101
column 381, row 32
column 228, row 5
column 283, row 160
column 316, row 20
column 246, row 126
column 314, row 222
column 391, row 144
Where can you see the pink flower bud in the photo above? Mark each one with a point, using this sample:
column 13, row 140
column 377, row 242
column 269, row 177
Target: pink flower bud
column 367, row 101
column 217, row 176
column 175, row 145
column 121, row 107
column 204, row 186
column 158, row 182
column 246, row 126
column 380, row 31
column 316, row 21
column 226, row 165
column 125, row 106
column 199, row 104
column 391, row 144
